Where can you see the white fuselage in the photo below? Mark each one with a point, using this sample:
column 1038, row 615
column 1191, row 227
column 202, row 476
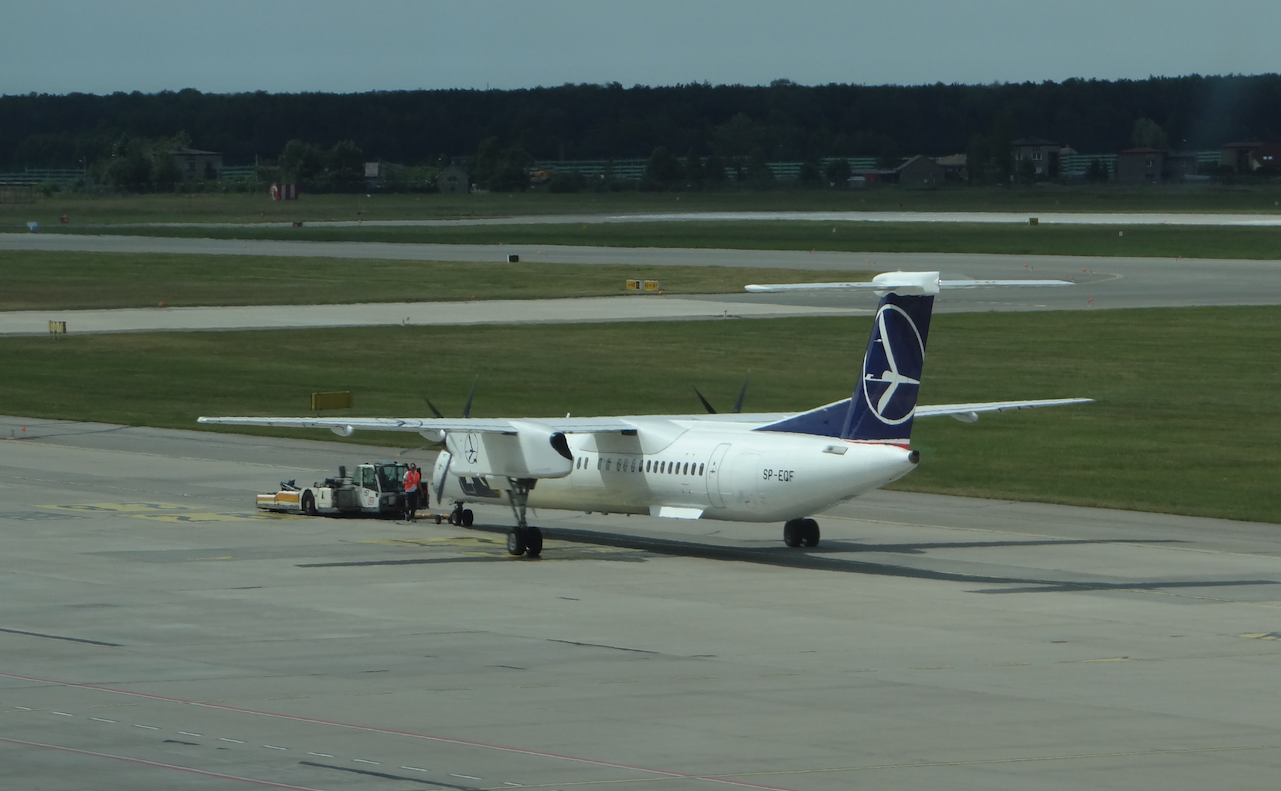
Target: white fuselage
column 693, row 469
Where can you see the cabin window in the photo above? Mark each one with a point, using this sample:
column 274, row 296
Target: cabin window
column 647, row 465
column 608, row 462
column 631, row 466
column 700, row 469
column 600, row 460
column 686, row 469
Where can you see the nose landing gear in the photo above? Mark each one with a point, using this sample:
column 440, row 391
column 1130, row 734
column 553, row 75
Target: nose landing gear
column 801, row 532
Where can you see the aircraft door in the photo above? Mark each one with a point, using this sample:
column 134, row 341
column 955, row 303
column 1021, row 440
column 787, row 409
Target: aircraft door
column 714, row 475
column 739, row 478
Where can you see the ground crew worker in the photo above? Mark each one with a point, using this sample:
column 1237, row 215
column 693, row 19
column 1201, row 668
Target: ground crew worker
column 412, row 479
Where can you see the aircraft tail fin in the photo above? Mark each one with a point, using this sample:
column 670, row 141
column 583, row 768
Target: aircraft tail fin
column 884, row 401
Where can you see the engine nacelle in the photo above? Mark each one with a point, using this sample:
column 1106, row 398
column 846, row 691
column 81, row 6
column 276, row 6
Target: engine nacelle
column 530, row 450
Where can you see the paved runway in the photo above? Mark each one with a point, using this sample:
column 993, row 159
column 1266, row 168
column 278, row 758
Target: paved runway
column 1103, row 283
column 156, row 633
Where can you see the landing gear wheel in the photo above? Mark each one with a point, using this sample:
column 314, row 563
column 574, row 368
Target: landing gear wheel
column 468, row 518
column 308, row 504
column 809, row 532
column 516, row 541
column 456, row 515
column 792, row 532
column 533, row 542
column 439, row 519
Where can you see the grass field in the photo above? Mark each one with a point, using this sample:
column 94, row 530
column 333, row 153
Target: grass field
column 71, row 280
column 210, row 207
column 1159, row 241
column 1187, row 419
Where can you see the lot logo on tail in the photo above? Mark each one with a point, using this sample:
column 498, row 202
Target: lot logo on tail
column 892, row 366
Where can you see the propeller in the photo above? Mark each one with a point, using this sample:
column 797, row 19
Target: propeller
column 738, row 404
column 432, row 407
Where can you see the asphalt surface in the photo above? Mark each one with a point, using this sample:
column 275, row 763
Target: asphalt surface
column 1102, row 283
column 157, row 633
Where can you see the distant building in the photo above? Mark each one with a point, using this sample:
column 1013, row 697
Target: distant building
column 1144, row 165
column 954, row 167
column 1251, row 156
column 193, row 163
column 1041, row 155
column 920, row 171
column 453, row 179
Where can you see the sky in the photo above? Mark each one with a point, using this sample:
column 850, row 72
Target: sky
column 287, row 46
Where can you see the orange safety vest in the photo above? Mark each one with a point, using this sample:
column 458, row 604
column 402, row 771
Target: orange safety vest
column 412, row 479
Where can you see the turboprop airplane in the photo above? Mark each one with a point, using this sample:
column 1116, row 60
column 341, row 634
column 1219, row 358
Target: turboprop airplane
column 741, row 467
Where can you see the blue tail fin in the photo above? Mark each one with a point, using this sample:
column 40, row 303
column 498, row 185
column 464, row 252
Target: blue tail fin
column 884, row 401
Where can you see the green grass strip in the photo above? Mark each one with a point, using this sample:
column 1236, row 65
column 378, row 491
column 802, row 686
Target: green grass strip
column 1159, row 241
column 81, row 209
column 71, row 280
column 1187, row 419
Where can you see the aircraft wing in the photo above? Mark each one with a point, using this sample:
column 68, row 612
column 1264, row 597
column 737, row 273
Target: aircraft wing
column 343, row 426
column 521, row 449
column 968, row 413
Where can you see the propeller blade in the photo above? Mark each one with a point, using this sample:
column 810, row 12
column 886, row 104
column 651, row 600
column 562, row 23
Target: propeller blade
column 738, row 405
column 432, row 407
column 706, row 405
column 472, row 394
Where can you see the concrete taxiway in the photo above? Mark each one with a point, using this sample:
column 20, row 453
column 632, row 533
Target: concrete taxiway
column 1102, row 283
column 156, row 633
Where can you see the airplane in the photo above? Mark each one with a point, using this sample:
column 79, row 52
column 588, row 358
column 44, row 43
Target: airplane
column 739, row 466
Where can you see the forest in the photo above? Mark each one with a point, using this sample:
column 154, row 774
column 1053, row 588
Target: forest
column 781, row 122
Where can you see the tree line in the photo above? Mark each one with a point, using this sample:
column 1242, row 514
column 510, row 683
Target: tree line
column 505, row 130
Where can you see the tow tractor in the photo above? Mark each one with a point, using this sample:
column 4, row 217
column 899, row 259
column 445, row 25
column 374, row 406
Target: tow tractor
column 377, row 488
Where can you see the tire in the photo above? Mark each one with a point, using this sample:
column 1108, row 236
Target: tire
column 533, row 542
column 516, row 542
column 309, row 504
column 792, row 533
column 438, row 519
column 468, row 518
column 809, row 532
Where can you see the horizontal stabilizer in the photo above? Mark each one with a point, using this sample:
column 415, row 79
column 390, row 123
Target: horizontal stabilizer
column 905, row 283
column 972, row 411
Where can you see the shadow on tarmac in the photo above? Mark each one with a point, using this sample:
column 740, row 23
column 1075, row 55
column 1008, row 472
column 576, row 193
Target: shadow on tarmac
column 822, row 558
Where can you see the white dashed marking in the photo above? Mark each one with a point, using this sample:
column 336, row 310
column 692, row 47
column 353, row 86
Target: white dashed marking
column 100, row 719
column 189, row 733
column 321, row 755
column 62, row 714
column 465, row 777
column 274, row 747
column 233, row 741
column 148, row 727
column 413, row 769
column 363, row 761
column 22, row 708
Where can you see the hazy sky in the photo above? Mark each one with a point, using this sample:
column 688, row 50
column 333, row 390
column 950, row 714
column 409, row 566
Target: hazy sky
column 101, row 46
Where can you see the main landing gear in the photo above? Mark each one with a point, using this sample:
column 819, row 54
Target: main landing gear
column 523, row 539
column 800, row 532
column 461, row 517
